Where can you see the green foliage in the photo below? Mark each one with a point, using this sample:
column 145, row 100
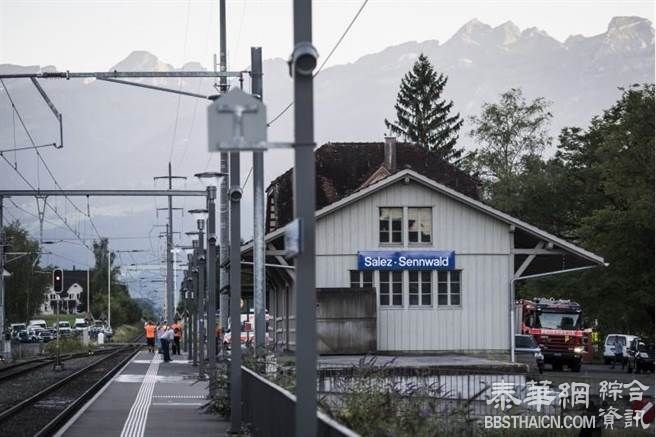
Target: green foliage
column 28, row 281
column 124, row 309
column 611, row 199
column 69, row 345
column 422, row 116
column 598, row 191
column 511, row 135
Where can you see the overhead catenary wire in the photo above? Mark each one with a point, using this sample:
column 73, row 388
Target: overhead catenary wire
column 339, row 41
column 43, row 161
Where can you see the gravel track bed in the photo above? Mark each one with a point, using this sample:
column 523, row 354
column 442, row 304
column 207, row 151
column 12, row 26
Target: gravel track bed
column 32, row 418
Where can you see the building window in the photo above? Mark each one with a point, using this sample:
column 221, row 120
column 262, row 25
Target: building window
column 448, row 288
column 364, row 279
column 419, row 288
column 391, row 288
column 390, row 225
column 420, row 225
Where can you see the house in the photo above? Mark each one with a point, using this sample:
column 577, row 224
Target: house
column 394, row 220
column 75, row 282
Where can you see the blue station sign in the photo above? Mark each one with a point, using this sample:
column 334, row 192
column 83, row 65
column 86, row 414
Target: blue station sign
column 407, row 260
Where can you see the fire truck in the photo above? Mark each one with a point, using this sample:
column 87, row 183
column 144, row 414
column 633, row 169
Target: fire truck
column 557, row 327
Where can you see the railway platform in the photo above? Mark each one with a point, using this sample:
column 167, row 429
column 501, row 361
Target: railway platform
column 148, row 397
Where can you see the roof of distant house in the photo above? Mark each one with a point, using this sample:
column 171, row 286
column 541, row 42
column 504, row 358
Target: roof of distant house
column 344, row 168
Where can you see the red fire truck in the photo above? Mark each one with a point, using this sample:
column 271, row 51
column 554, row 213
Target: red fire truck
column 557, row 326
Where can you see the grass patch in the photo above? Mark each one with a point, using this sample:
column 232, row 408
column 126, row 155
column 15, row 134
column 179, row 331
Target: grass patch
column 69, row 345
column 127, row 333
column 52, row 319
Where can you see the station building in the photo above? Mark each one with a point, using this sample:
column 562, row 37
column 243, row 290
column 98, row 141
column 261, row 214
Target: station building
column 409, row 230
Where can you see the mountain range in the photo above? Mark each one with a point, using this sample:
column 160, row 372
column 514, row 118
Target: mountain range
column 117, row 136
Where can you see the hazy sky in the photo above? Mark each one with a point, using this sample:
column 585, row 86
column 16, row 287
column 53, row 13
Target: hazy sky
column 96, row 34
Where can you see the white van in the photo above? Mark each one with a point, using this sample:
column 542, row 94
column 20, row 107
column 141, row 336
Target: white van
column 609, row 344
column 38, row 322
column 79, row 325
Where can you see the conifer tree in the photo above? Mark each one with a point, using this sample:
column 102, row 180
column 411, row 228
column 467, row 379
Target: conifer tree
column 422, row 116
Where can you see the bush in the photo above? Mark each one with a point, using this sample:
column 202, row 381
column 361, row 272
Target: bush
column 68, row 345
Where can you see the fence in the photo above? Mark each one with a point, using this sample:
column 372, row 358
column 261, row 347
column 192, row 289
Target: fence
column 270, row 410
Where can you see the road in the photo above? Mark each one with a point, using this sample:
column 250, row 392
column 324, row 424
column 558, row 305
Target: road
column 593, row 374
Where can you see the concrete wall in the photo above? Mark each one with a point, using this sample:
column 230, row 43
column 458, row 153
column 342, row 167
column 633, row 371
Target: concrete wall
column 346, row 320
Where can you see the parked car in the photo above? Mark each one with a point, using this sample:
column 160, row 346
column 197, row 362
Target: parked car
column 46, row 335
column 80, row 325
column 22, row 336
column 34, row 333
column 528, row 352
column 15, row 328
column 609, row 343
column 63, row 327
column 38, row 322
column 641, row 356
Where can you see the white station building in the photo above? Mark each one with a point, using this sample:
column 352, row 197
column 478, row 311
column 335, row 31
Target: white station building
column 443, row 264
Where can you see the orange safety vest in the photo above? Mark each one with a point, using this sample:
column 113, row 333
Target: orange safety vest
column 177, row 330
column 150, row 331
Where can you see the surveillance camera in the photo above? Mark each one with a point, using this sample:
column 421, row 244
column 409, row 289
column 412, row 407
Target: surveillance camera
column 235, row 194
column 303, row 60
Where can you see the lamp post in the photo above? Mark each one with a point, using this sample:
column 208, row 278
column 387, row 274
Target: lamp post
column 194, row 287
column 189, row 301
column 201, row 215
column 212, row 179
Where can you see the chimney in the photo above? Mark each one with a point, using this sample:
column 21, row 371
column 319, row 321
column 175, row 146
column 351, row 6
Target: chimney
column 390, row 154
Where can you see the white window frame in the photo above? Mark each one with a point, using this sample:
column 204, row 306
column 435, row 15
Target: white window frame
column 407, row 226
column 361, row 281
column 390, row 282
column 420, row 289
column 390, row 231
column 449, row 293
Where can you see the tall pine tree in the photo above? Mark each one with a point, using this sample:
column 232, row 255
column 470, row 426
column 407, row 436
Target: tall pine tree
column 422, row 116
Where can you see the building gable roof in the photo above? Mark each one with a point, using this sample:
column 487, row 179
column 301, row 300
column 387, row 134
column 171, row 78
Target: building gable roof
column 455, row 195
column 344, row 168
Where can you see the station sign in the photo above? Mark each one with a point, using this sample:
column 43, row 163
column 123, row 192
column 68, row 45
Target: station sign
column 407, row 260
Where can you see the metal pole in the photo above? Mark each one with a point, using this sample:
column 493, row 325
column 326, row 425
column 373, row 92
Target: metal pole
column 224, row 238
column 511, row 293
column 235, row 295
column 259, row 273
column 109, row 286
column 169, row 256
column 176, row 296
column 211, row 288
column 2, row 280
column 304, row 206
column 194, row 324
column 200, row 302
column 190, row 290
column 88, row 293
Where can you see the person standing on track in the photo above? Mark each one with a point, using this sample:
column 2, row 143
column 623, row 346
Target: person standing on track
column 165, row 339
column 150, row 335
column 177, row 335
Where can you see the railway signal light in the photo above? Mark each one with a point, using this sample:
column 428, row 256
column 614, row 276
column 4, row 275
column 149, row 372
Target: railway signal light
column 58, row 280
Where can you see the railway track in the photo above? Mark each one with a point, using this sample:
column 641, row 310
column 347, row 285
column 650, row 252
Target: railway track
column 43, row 412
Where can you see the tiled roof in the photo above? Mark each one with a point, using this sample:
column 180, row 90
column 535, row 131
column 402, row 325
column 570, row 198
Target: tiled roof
column 343, row 168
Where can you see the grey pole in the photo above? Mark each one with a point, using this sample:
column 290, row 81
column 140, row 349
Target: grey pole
column 88, row 293
column 235, row 295
column 109, row 286
column 304, row 62
column 194, row 325
column 224, row 238
column 211, row 288
column 200, row 302
column 259, row 273
column 169, row 257
column 2, row 280
column 190, row 291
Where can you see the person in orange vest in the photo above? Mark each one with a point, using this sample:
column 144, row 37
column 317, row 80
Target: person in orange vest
column 177, row 335
column 150, row 336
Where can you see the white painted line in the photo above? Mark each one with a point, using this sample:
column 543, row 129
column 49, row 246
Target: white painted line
column 135, row 424
column 177, row 404
column 86, row 406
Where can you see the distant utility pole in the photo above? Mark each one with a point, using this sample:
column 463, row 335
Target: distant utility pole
column 170, row 298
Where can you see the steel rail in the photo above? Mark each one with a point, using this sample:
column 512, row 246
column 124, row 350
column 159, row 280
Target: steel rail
column 6, row 414
column 51, row 427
